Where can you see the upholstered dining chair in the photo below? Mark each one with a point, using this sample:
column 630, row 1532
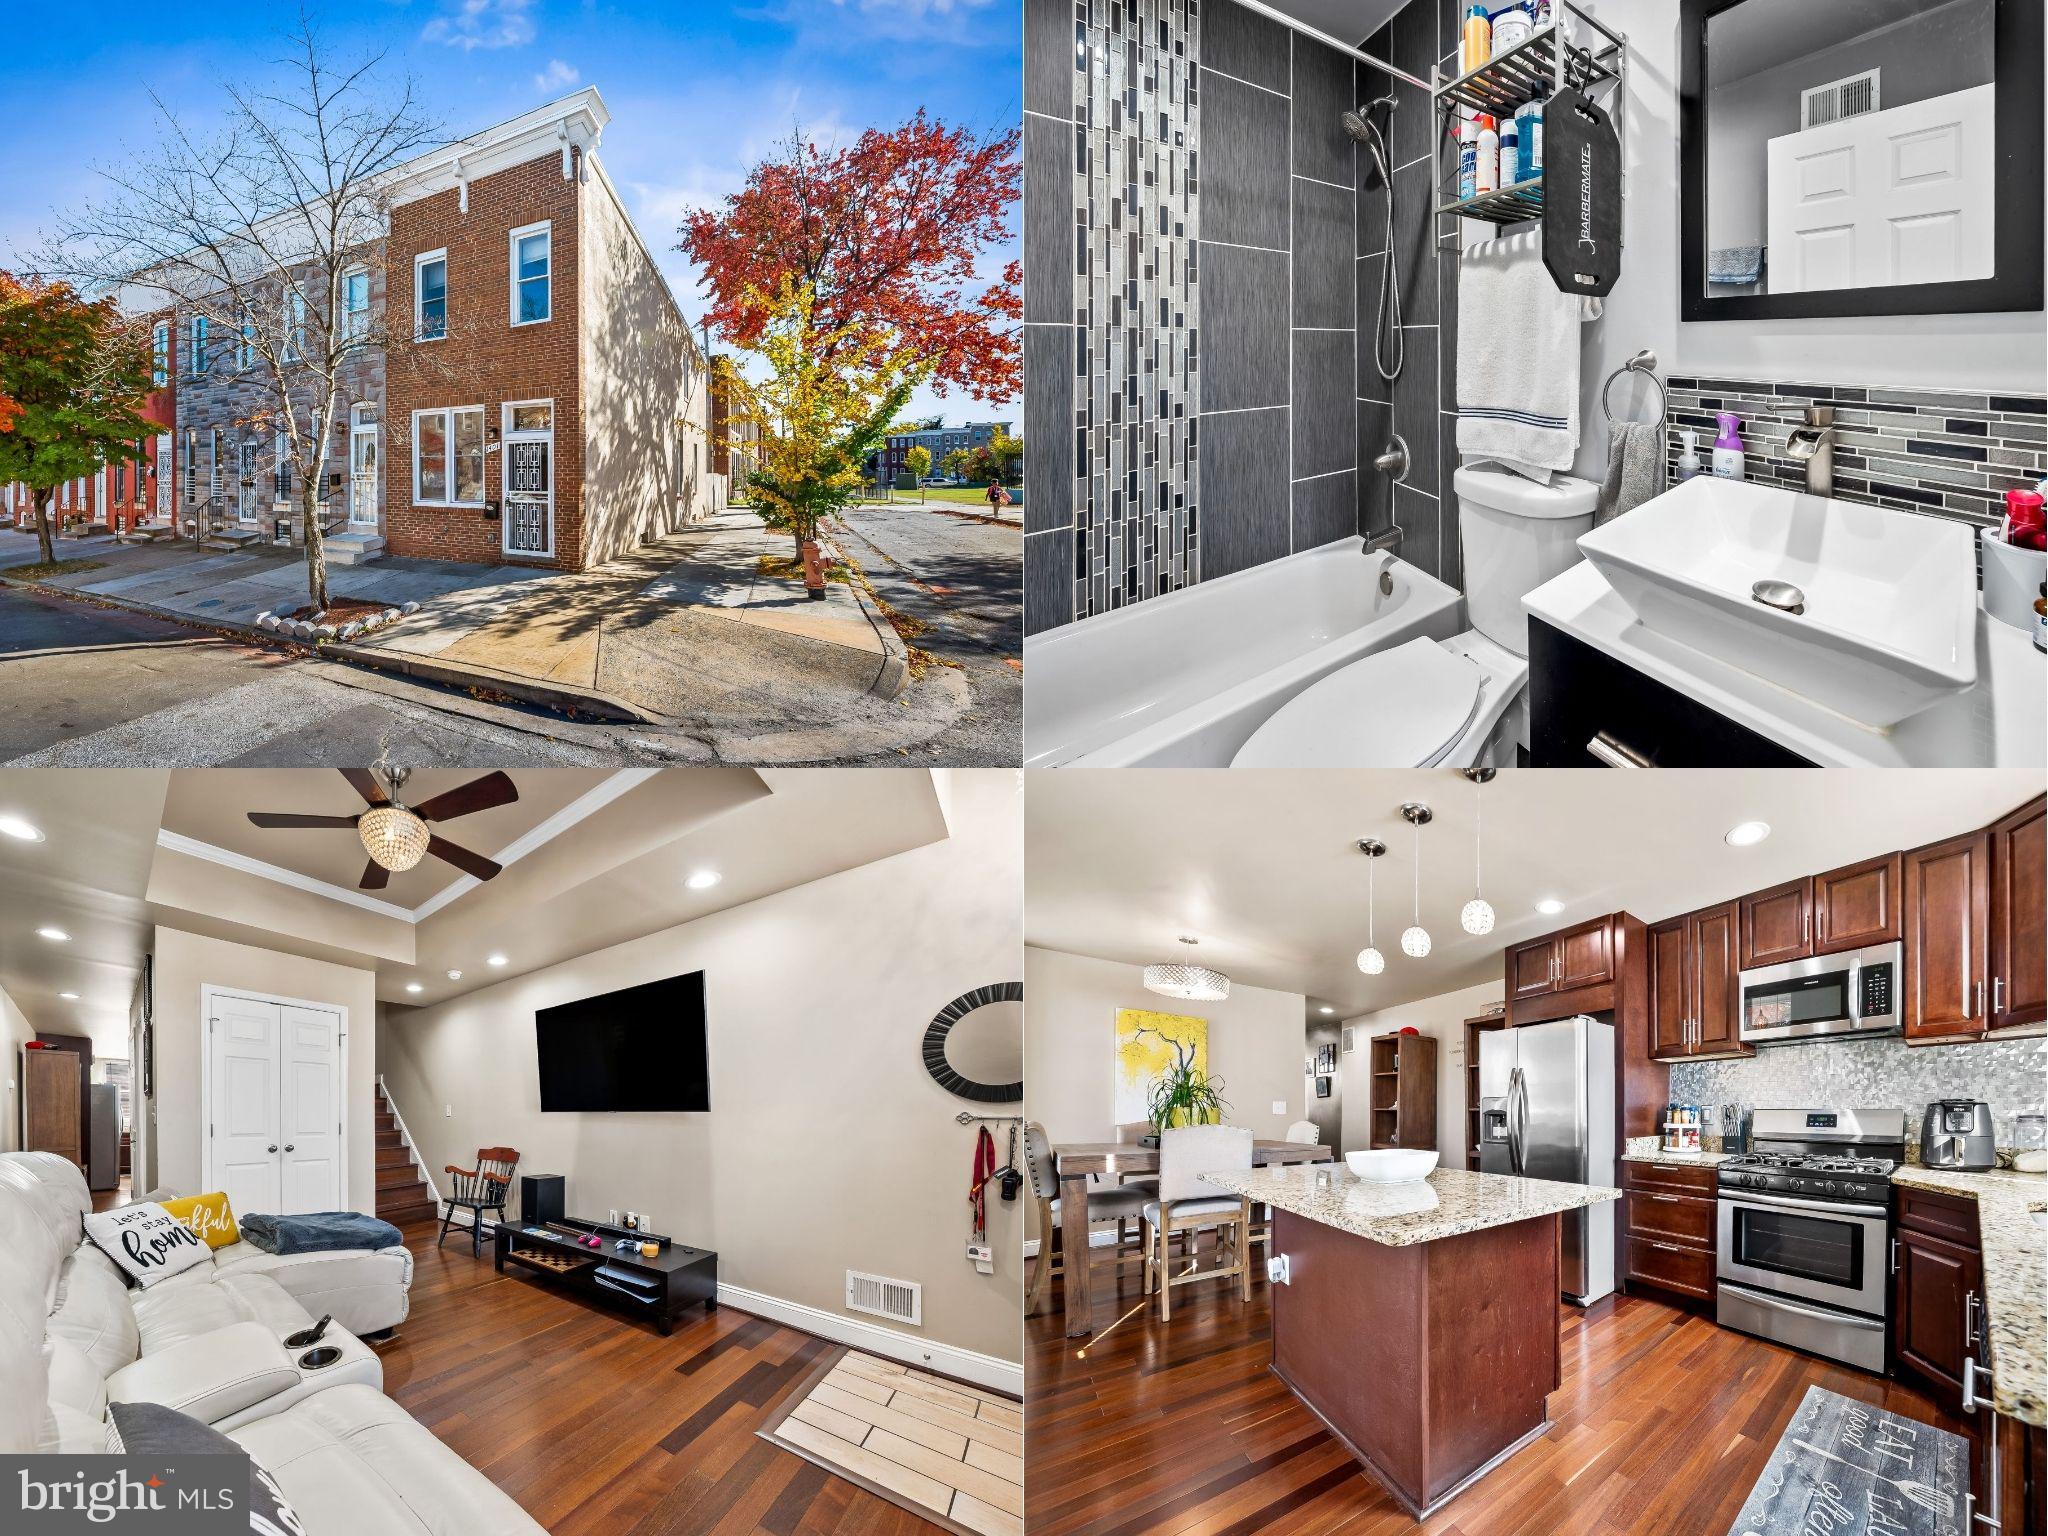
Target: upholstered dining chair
column 1120, row 1203
column 479, row 1189
column 1305, row 1133
column 1186, row 1201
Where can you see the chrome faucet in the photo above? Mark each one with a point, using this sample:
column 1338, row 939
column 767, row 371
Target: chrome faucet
column 1814, row 445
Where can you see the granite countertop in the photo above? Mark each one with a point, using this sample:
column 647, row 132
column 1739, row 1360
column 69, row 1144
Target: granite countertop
column 2001, row 720
column 1680, row 1159
column 1449, row 1202
column 2015, row 1254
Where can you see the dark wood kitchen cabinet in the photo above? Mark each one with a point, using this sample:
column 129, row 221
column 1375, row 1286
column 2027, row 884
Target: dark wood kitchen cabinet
column 1668, row 1226
column 2019, row 918
column 1856, row 905
column 1695, row 997
column 1936, row 1287
column 1563, row 961
column 1947, row 921
column 1532, row 968
column 1777, row 925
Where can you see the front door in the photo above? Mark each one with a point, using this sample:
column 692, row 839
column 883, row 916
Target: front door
column 245, row 482
column 363, row 469
column 529, row 478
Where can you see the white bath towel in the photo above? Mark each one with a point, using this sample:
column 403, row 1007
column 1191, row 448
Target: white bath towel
column 1518, row 356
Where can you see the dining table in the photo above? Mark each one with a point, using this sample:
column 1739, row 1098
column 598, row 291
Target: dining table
column 1079, row 1161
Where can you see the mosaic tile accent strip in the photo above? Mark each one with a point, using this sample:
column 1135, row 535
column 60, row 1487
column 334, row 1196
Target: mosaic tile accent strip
column 1951, row 453
column 1136, row 357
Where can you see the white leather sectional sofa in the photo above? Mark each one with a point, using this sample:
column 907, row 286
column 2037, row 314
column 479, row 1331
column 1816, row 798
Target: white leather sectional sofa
column 210, row 1342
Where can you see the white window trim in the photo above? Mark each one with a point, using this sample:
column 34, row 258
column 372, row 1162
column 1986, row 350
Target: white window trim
column 450, row 412
column 350, row 329
column 294, row 325
column 418, row 310
column 512, row 239
column 197, row 339
column 160, row 354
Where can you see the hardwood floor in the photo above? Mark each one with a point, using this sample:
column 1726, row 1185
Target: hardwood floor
column 596, row 1423
column 1663, row 1422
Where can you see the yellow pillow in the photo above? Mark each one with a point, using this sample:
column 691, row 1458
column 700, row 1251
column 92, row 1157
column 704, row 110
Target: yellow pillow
column 208, row 1216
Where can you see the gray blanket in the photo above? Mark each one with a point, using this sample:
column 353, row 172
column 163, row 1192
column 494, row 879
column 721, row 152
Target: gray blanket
column 319, row 1232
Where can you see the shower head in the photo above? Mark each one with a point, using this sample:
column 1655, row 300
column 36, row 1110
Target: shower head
column 1358, row 120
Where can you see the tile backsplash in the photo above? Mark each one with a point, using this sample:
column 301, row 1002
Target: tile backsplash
column 1875, row 1074
column 1952, row 453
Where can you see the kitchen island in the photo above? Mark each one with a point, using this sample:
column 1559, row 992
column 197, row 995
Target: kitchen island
column 1418, row 1321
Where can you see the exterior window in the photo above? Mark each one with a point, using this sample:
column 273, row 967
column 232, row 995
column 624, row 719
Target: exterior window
column 160, row 354
column 283, row 449
column 532, row 266
column 448, row 456
column 245, row 344
column 199, row 343
column 215, row 471
column 355, row 304
column 533, row 418
column 295, row 334
column 430, row 296
column 191, row 469
column 120, row 481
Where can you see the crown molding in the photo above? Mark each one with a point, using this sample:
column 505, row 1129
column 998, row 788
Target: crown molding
column 227, row 858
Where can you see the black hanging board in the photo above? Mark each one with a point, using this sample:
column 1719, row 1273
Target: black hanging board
column 1581, row 195
column 1857, row 1470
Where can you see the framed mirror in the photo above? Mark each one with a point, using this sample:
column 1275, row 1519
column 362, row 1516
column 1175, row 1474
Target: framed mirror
column 1859, row 157
column 974, row 1046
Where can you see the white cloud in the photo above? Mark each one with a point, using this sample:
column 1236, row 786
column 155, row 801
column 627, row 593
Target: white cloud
column 556, row 77
column 482, row 24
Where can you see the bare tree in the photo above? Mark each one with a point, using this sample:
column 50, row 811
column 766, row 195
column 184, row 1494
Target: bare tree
column 257, row 229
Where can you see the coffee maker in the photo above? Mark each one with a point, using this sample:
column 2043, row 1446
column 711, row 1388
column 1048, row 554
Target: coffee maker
column 1956, row 1133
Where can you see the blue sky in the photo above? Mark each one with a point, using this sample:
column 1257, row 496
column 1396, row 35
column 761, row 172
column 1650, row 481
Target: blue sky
column 698, row 89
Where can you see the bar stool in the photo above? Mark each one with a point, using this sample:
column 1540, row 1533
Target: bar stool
column 1119, row 1203
column 1187, row 1201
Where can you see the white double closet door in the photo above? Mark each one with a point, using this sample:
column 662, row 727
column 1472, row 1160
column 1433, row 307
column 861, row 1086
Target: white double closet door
column 275, row 1142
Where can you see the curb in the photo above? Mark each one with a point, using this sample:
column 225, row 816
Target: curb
column 894, row 675
column 227, row 629
column 585, row 703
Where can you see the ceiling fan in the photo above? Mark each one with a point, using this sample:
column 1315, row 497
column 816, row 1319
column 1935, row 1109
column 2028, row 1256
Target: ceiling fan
column 396, row 835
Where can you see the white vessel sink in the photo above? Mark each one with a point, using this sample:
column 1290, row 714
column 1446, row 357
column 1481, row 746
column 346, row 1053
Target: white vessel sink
column 1392, row 1165
column 1890, row 598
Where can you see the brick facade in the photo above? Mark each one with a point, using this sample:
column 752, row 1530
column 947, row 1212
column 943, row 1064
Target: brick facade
column 486, row 360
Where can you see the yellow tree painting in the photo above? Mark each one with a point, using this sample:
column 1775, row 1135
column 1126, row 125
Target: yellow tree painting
column 1148, row 1046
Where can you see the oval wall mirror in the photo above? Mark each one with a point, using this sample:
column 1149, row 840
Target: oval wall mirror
column 974, row 1046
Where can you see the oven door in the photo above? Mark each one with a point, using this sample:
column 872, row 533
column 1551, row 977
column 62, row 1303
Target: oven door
column 1825, row 1251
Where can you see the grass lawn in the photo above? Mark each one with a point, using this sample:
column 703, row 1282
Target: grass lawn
column 967, row 495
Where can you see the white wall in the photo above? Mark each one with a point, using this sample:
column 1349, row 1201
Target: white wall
column 1442, row 1017
column 1257, row 1042
column 14, row 1030
column 827, row 1146
column 185, row 962
column 2003, row 352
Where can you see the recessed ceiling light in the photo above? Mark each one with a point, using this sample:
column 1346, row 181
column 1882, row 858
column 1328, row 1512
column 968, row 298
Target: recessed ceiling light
column 1326, row 1009
column 1550, row 906
column 54, row 935
column 69, row 997
column 413, row 986
column 703, row 879
column 495, row 960
column 15, row 827
column 1747, row 833
column 455, row 975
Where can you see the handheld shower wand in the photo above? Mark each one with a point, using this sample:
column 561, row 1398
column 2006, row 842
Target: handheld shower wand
column 1387, row 348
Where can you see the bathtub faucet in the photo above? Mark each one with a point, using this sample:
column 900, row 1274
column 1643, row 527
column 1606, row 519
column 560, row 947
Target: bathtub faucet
column 1387, row 539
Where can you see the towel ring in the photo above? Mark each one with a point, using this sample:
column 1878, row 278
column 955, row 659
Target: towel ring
column 1645, row 363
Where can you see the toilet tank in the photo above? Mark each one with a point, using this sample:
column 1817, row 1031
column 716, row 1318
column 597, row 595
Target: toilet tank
column 1515, row 536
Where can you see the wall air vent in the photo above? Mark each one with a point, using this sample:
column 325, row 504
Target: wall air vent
column 900, row 1301
column 1851, row 97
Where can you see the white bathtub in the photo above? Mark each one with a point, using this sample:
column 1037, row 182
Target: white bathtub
column 1182, row 681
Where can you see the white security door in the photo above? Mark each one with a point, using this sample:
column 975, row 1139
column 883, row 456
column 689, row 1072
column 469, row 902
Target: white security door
column 310, row 1078
column 1898, row 196
column 362, row 465
column 165, row 474
column 246, row 1144
column 99, row 497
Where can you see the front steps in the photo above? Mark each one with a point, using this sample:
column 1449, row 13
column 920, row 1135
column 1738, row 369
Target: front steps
column 353, row 548
column 402, row 1195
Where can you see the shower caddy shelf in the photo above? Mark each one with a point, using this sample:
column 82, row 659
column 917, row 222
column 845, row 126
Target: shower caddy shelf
column 1533, row 70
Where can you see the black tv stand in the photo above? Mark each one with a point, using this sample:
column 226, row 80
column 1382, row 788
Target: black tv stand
column 660, row 1287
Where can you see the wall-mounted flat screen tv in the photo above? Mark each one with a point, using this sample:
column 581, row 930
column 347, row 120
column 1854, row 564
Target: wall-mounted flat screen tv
column 640, row 1048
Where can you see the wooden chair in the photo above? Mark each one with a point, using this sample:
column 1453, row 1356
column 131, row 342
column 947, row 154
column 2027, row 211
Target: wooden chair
column 1118, row 1203
column 1187, row 1201
column 479, row 1189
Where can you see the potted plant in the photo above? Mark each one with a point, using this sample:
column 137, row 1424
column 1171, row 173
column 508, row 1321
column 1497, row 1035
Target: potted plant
column 1184, row 1094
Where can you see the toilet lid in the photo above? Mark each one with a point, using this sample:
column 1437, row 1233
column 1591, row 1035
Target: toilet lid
column 1398, row 708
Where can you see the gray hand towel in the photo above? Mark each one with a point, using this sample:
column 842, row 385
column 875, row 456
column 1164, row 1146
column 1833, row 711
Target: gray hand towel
column 1635, row 468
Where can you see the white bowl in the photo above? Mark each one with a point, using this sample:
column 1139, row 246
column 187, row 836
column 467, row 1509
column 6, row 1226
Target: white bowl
column 1391, row 1165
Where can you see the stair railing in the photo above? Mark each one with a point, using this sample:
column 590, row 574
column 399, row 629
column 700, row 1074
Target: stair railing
column 412, row 1151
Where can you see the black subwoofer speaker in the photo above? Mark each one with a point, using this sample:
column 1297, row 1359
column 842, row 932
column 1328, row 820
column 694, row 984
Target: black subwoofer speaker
column 540, row 1197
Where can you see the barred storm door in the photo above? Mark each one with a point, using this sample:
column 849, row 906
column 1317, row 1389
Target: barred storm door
column 362, row 466
column 529, row 477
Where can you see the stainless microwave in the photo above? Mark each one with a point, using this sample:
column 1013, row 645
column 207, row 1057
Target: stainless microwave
column 1852, row 993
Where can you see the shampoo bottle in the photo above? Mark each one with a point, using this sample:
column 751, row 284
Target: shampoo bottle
column 1728, row 447
column 1486, row 162
column 1688, row 458
column 1478, row 39
column 1510, row 155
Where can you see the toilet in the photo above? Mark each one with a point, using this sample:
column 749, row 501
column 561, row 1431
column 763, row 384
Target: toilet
column 1455, row 703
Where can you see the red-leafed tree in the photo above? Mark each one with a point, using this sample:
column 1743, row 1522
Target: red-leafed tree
column 886, row 234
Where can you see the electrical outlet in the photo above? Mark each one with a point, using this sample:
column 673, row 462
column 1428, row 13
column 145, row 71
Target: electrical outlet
column 612, row 1218
column 1279, row 1106
column 447, row 1111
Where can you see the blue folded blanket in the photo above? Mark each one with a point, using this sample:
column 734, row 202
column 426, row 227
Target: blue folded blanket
column 1736, row 264
column 319, row 1232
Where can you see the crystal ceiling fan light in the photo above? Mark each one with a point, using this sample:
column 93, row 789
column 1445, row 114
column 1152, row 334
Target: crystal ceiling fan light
column 1477, row 915
column 1370, row 960
column 393, row 837
column 1415, row 939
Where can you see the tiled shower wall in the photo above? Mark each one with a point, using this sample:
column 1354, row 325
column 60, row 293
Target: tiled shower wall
column 1191, row 228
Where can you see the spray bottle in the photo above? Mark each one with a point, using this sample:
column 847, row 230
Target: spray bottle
column 1728, row 457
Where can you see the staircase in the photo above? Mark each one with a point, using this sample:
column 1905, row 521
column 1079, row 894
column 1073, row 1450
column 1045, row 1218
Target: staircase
column 353, row 548
column 402, row 1195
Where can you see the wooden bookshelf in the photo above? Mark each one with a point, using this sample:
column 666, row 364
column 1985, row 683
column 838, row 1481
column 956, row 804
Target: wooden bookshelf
column 1403, row 1082
column 1474, row 1028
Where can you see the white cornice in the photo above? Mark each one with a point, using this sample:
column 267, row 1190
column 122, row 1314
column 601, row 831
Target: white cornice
column 227, row 858
column 579, row 118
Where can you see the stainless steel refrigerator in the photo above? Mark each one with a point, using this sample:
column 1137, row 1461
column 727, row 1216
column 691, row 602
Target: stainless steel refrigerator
column 1546, row 1111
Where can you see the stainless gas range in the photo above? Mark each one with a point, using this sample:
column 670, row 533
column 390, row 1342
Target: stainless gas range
column 1804, row 1223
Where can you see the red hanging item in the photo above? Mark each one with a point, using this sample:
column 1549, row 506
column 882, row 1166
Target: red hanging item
column 984, row 1170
